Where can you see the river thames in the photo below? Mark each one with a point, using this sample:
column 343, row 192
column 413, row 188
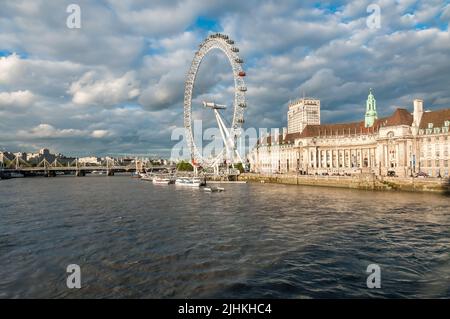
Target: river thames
column 133, row 239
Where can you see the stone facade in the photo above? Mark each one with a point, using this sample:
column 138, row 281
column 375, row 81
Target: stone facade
column 403, row 144
column 303, row 112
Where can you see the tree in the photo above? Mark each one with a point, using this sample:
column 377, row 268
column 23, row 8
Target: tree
column 240, row 167
column 185, row 166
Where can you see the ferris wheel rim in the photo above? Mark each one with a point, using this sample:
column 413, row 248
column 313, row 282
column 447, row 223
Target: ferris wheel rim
column 226, row 45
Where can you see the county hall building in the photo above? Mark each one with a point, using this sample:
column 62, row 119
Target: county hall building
column 403, row 144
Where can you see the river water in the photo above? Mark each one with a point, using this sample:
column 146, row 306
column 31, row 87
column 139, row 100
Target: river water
column 133, row 239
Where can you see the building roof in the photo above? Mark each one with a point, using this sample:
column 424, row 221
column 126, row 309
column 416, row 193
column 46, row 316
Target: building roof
column 399, row 117
column 436, row 117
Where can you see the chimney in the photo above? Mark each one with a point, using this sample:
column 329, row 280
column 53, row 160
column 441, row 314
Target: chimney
column 418, row 111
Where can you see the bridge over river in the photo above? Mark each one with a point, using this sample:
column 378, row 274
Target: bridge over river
column 44, row 168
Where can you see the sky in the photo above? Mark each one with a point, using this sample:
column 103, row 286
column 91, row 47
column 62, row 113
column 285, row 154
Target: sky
column 115, row 86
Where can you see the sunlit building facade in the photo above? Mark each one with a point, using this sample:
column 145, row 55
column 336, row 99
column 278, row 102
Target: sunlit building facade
column 403, row 144
column 303, row 112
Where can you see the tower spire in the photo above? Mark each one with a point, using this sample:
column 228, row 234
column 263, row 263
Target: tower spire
column 371, row 110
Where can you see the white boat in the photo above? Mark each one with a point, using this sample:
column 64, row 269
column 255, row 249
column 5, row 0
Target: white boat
column 190, row 182
column 146, row 177
column 214, row 189
column 159, row 180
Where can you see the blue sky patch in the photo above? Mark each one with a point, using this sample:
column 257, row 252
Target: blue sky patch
column 4, row 53
column 207, row 24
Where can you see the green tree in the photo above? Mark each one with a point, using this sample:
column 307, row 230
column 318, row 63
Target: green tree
column 240, row 167
column 185, row 166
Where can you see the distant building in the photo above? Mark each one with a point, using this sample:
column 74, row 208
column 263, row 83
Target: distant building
column 303, row 112
column 43, row 153
column 403, row 144
column 89, row 160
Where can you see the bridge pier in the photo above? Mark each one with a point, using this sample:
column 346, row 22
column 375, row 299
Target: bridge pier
column 50, row 174
column 80, row 173
column 110, row 172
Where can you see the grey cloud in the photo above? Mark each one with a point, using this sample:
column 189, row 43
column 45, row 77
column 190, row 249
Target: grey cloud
column 289, row 47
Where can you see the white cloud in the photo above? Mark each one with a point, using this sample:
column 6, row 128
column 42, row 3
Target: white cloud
column 107, row 91
column 138, row 52
column 100, row 133
column 48, row 131
column 19, row 99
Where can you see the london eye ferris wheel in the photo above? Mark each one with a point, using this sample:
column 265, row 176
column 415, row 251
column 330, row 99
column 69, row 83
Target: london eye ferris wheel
column 229, row 154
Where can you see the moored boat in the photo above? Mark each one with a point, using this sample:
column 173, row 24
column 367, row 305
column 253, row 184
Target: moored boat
column 214, row 189
column 160, row 180
column 189, row 182
column 146, row 177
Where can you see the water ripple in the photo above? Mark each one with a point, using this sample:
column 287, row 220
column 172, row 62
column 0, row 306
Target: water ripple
column 135, row 240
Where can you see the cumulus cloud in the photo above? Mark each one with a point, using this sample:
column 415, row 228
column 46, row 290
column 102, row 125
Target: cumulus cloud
column 100, row 133
column 108, row 91
column 48, row 131
column 16, row 99
column 116, row 85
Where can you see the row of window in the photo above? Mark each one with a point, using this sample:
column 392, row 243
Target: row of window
column 435, row 163
column 436, row 130
column 435, row 139
column 437, row 154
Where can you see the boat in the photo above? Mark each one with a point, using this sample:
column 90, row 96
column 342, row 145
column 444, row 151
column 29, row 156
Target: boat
column 16, row 175
column 190, row 182
column 163, row 181
column 98, row 173
column 136, row 175
column 146, row 177
column 214, row 189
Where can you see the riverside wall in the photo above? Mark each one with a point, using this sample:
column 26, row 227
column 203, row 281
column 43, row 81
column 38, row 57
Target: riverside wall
column 357, row 181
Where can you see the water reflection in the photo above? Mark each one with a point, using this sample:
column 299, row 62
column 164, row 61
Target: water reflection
column 133, row 239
